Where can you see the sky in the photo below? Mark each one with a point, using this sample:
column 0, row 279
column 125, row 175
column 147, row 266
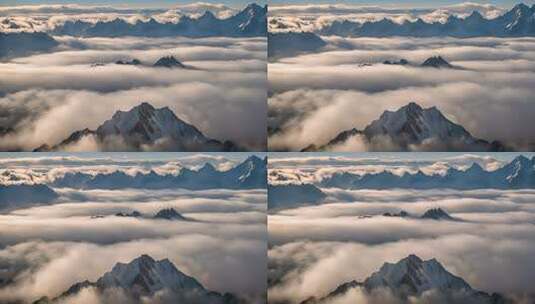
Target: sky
column 135, row 3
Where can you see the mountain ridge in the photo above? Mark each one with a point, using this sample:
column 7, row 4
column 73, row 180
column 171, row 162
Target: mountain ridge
column 410, row 277
column 413, row 127
column 144, row 278
column 517, row 22
column 249, row 174
column 249, row 22
column 517, row 174
column 144, row 127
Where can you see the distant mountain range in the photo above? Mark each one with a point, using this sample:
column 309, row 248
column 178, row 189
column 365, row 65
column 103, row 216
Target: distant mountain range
column 290, row 44
column 17, row 196
column 144, row 278
column 145, row 127
column 250, row 174
column 291, row 195
column 250, row 22
column 518, row 174
column 413, row 128
column 410, row 278
column 23, row 44
column 518, row 22
column 169, row 214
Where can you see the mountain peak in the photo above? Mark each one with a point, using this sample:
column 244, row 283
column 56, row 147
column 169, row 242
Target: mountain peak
column 521, row 159
column 436, row 214
column 144, row 106
column 475, row 168
column 208, row 15
column 412, row 107
column 415, row 276
column 436, row 62
column 169, row 214
column 169, row 62
column 143, row 277
column 475, row 15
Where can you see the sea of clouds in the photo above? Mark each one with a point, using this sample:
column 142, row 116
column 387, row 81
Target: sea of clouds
column 46, row 97
column 45, row 249
column 315, row 96
column 314, row 249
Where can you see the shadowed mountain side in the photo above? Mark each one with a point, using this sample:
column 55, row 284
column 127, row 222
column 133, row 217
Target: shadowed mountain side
column 518, row 174
column 250, row 22
column 517, row 22
column 292, row 195
column 250, row 174
column 409, row 279
column 143, row 128
column 144, row 278
column 413, row 128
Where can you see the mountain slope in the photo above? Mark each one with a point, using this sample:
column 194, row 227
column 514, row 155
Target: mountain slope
column 518, row 174
column 288, row 196
column 291, row 44
column 18, row 196
column 250, row 174
column 144, row 278
column 250, row 22
column 413, row 128
column 145, row 128
column 411, row 277
column 22, row 44
column 518, row 22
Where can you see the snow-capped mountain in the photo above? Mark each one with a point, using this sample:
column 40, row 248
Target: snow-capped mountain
column 145, row 128
column 250, row 174
column 22, row 44
column 414, row 128
column 292, row 195
column 147, row 278
column 411, row 277
column 518, row 174
column 250, row 22
column 18, row 196
column 290, row 43
column 518, row 22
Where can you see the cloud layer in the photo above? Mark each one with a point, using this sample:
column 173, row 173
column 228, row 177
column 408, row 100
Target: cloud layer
column 313, row 97
column 43, row 247
column 224, row 96
column 314, row 249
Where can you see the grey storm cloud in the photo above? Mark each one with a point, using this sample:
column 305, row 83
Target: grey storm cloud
column 313, row 97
